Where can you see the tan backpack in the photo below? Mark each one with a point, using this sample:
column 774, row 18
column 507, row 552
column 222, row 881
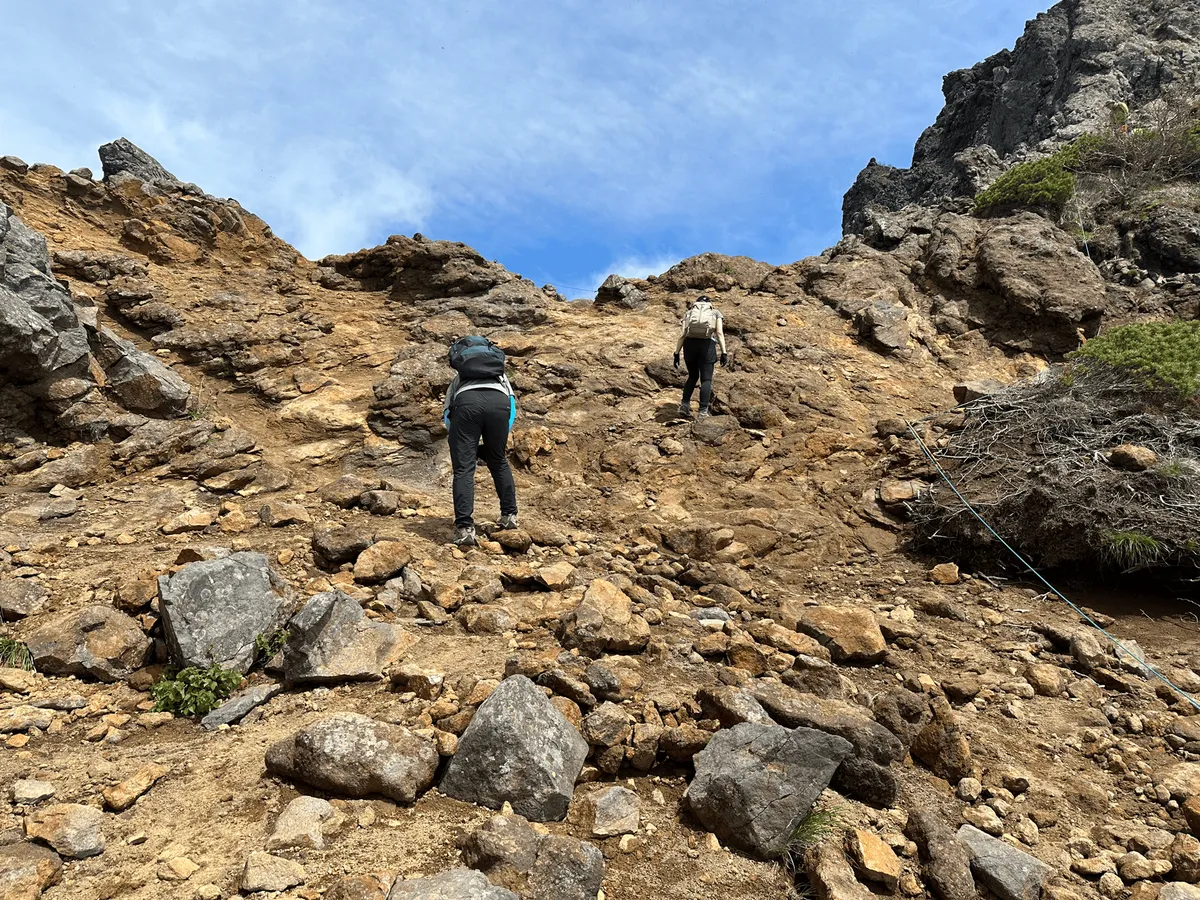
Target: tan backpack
column 701, row 320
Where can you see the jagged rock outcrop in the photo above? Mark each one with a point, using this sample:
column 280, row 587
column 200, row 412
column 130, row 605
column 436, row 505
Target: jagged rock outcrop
column 440, row 277
column 123, row 157
column 57, row 352
column 620, row 292
column 715, row 272
column 1062, row 76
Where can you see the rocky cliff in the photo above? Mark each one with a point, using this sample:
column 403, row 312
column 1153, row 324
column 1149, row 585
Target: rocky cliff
column 1063, row 76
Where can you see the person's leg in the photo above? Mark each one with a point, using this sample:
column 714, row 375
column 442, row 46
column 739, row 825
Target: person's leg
column 706, row 375
column 693, row 362
column 495, row 454
column 464, row 444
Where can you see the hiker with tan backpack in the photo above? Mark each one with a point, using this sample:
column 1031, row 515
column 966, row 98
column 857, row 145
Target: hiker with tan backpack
column 703, row 329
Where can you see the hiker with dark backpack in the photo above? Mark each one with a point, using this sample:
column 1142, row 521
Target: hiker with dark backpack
column 703, row 329
column 480, row 406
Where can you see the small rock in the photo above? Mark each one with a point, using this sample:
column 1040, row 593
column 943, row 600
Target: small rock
column 21, row 597
column 278, row 514
column 27, row 791
column 466, row 884
column 1132, row 458
column 265, row 872
column 124, row 795
column 303, row 824
column 1047, row 680
column 944, row 573
column 334, row 546
column 235, row 708
column 874, row 859
column 72, row 829
column 191, row 520
column 357, row 756
column 27, row 869
column 850, row 633
column 178, row 868
column 614, row 811
column 359, row 887
column 332, row 640
column 96, row 641
column 830, row 874
column 381, row 561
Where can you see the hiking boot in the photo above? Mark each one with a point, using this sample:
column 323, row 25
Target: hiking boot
column 685, row 410
column 506, row 523
column 704, row 413
column 464, row 536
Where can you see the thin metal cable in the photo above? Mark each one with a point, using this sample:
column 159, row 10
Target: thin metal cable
column 1142, row 662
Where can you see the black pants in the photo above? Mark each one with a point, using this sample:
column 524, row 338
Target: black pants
column 475, row 415
column 699, row 355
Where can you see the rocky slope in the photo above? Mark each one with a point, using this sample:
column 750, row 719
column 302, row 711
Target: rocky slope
column 586, row 704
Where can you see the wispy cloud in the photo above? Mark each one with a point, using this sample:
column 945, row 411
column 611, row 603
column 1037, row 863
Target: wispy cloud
column 559, row 136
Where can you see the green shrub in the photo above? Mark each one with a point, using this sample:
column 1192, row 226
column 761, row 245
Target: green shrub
column 194, row 691
column 1047, row 183
column 1165, row 354
column 14, row 654
column 1133, row 550
column 267, row 645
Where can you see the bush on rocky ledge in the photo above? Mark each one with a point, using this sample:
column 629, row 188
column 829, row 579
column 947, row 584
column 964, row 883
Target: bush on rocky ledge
column 1090, row 464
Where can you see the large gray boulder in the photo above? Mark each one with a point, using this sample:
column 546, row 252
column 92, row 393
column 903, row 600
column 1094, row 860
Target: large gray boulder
column 1009, row 873
column 123, row 157
column 213, row 610
column 333, row 640
column 755, row 783
column 456, row 884
column 357, row 756
column 140, row 382
column 518, row 748
column 96, row 641
column 40, row 331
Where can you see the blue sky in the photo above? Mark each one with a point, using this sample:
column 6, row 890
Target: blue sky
column 565, row 139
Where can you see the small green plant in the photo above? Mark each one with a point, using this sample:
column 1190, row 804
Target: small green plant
column 1174, row 468
column 1164, row 354
column 14, row 654
column 267, row 645
column 1046, row 183
column 194, row 691
column 817, row 827
column 1133, row 550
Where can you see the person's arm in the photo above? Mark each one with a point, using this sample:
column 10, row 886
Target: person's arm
column 450, row 391
column 679, row 343
column 721, row 334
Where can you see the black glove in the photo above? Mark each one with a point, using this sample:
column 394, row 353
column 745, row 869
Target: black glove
column 724, row 360
column 675, row 359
